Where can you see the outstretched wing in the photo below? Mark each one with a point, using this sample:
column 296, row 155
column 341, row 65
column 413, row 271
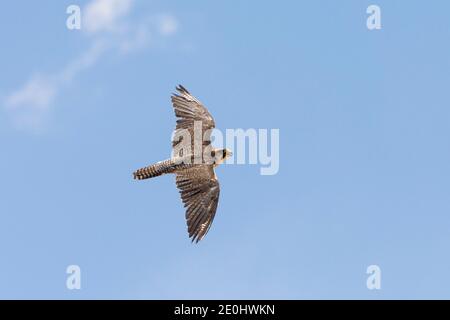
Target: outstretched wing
column 189, row 111
column 199, row 189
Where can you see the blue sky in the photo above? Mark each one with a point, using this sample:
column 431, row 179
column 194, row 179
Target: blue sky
column 364, row 152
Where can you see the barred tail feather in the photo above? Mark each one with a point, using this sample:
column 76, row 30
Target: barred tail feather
column 155, row 170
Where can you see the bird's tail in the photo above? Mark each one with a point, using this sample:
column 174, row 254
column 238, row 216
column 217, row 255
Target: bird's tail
column 155, row 170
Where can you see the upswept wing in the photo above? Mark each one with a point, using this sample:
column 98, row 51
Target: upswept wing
column 188, row 111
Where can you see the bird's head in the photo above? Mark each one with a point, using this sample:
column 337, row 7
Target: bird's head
column 221, row 155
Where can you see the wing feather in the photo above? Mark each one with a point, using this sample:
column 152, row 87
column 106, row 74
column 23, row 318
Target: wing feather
column 188, row 110
column 199, row 189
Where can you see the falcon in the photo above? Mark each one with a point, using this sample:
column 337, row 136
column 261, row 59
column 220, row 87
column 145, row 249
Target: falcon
column 193, row 161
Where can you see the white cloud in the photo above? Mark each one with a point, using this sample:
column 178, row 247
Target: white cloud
column 167, row 25
column 37, row 93
column 110, row 28
column 85, row 61
column 104, row 15
column 136, row 39
column 30, row 104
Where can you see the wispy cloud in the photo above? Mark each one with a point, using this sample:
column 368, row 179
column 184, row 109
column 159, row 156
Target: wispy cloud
column 38, row 91
column 139, row 37
column 85, row 61
column 29, row 105
column 104, row 15
column 167, row 25
column 109, row 28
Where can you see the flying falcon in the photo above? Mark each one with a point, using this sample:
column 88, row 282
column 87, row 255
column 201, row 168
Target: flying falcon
column 193, row 161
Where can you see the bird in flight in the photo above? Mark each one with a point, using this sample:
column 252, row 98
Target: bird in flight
column 193, row 161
